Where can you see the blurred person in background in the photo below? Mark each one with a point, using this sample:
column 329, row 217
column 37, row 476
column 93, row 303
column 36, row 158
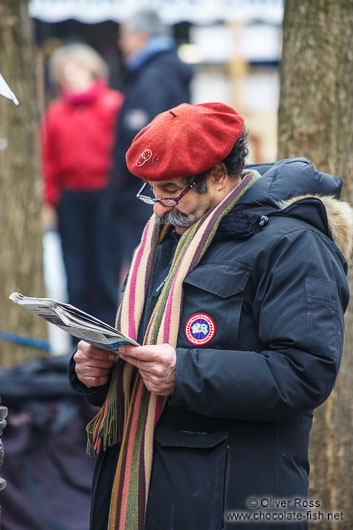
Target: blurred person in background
column 77, row 139
column 156, row 79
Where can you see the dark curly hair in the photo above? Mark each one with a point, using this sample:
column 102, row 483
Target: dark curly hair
column 234, row 162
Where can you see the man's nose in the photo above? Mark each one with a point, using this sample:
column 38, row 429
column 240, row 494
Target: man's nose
column 159, row 209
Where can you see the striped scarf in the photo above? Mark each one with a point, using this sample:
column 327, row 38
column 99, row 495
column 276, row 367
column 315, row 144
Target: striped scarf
column 129, row 416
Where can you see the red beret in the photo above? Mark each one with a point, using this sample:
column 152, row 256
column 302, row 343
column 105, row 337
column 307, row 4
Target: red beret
column 184, row 141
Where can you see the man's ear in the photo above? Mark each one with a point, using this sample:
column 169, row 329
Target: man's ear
column 220, row 175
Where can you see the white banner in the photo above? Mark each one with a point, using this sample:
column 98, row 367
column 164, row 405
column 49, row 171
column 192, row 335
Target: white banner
column 172, row 11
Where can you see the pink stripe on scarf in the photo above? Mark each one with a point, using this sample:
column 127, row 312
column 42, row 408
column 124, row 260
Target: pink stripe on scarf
column 132, row 294
column 160, row 401
column 168, row 309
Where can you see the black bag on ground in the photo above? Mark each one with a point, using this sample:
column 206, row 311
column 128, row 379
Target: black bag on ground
column 46, row 468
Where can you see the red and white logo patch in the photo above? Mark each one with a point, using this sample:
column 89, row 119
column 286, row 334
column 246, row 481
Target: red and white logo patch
column 200, row 329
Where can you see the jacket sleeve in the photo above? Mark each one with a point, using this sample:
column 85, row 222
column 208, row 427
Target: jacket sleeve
column 300, row 297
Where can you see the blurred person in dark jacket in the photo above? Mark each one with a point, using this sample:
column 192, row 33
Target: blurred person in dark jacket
column 77, row 141
column 237, row 295
column 156, row 79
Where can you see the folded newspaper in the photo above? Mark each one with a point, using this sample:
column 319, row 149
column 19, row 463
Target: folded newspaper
column 74, row 321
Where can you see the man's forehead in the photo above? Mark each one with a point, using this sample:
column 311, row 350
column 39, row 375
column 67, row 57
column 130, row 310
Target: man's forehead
column 167, row 183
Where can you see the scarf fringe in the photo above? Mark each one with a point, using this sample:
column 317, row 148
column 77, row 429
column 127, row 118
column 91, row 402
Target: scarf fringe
column 106, row 428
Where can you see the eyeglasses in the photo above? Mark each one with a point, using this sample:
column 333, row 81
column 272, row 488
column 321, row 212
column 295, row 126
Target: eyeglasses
column 166, row 201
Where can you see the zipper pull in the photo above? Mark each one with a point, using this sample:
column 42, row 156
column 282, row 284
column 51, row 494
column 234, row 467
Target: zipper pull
column 263, row 221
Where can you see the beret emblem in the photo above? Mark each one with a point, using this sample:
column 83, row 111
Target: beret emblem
column 144, row 157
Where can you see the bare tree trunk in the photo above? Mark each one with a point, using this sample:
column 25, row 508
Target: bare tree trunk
column 20, row 224
column 315, row 120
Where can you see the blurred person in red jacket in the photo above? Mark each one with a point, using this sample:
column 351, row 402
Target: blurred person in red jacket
column 77, row 139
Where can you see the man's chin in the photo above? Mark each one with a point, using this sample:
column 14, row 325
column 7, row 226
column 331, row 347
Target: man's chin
column 181, row 229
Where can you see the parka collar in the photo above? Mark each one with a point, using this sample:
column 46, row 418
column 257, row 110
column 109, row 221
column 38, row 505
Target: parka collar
column 332, row 217
column 293, row 188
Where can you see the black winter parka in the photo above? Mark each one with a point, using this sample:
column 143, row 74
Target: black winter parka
column 234, row 436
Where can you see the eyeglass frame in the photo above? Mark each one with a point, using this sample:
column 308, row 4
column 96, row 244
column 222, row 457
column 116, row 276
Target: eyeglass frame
column 152, row 200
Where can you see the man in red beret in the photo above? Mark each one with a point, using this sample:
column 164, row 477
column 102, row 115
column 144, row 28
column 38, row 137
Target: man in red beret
column 236, row 294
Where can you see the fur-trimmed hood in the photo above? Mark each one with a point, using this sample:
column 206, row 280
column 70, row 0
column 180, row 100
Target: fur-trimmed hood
column 295, row 188
column 339, row 217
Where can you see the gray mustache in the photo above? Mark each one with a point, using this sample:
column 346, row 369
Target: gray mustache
column 175, row 218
